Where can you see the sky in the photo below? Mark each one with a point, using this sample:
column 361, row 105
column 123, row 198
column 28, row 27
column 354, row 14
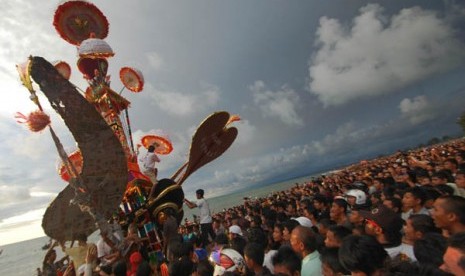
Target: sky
column 318, row 84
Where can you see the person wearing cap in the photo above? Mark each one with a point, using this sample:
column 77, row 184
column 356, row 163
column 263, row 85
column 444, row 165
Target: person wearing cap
column 304, row 243
column 385, row 225
column 236, row 238
column 206, row 227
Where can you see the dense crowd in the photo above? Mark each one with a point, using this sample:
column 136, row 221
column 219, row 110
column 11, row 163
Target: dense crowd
column 402, row 214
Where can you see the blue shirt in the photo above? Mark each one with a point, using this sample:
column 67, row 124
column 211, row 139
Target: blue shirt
column 311, row 265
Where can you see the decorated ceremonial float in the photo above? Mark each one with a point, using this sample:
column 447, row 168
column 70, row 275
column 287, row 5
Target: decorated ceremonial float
column 105, row 183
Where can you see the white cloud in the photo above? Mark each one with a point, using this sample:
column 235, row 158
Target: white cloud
column 379, row 54
column 281, row 104
column 181, row 104
column 416, row 110
column 12, row 194
column 155, row 60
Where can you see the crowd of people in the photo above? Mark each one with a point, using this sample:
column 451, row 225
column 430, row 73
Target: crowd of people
column 402, row 214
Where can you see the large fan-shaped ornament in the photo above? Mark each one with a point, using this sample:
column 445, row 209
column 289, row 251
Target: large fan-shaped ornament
column 76, row 159
column 132, row 79
column 163, row 144
column 63, row 68
column 76, row 20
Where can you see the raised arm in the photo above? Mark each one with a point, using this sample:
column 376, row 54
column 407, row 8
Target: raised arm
column 189, row 204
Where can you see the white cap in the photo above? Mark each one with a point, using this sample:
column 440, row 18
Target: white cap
column 234, row 229
column 303, row 221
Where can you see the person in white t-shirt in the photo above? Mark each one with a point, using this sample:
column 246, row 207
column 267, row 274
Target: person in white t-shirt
column 205, row 216
column 149, row 163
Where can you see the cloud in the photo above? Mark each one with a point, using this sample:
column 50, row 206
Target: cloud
column 155, row 60
column 416, row 110
column 181, row 104
column 378, row 54
column 281, row 104
column 12, row 194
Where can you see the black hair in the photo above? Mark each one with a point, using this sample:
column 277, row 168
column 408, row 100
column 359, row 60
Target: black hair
column 396, row 202
column 181, row 267
column 340, row 232
column 119, row 268
column 356, row 250
column 307, row 237
column 288, row 258
column 200, row 192
column 341, row 203
column 221, row 238
column 255, row 252
column 424, row 224
column 417, row 193
column 455, row 204
column 329, row 256
column 205, row 268
column 290, row 224
column 238, row 243
column 326, row 222
column 151, row 148
column 430, row 249
column 257, row 236
column 457, row 241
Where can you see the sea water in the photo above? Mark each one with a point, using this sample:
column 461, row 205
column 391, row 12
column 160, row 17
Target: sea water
column 23, row 258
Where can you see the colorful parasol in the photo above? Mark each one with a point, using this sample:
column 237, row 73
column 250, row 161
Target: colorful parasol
column 76, row 159
column 76, row 20
column 95, row 48
column 63, row 68
column 132, row 79
column 164, row 145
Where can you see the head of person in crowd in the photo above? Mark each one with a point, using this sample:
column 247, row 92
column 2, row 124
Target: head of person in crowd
column 234, row 231
column 417, row 226
column 289, row 225
column 230, row 261
column 254, row 255
column 286, row 262
column 454, row 257
column 451, row 164
column 181, row 267
column 204, row 268
column 338, row 210
column 430, row 249
column 431, row 195
column 330, row 265
column 375, row 199
column 378, row 184
column 414, row 199
column 199, row 193
column 356, row 197
column 383, row 224
column 460, row 179
column 257, row 236
column 278, row 229
column 320, row 202
column 335, row 235
column 119, row 268
column 439, row 178
column 362, row 255
column 393, row 203
column 449, row 214
column 324, row 225
column 303, row 241
column 424, row 179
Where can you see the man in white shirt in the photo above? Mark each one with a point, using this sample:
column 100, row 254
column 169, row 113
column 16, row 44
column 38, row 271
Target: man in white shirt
column 205, row 216
column 149, row 163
